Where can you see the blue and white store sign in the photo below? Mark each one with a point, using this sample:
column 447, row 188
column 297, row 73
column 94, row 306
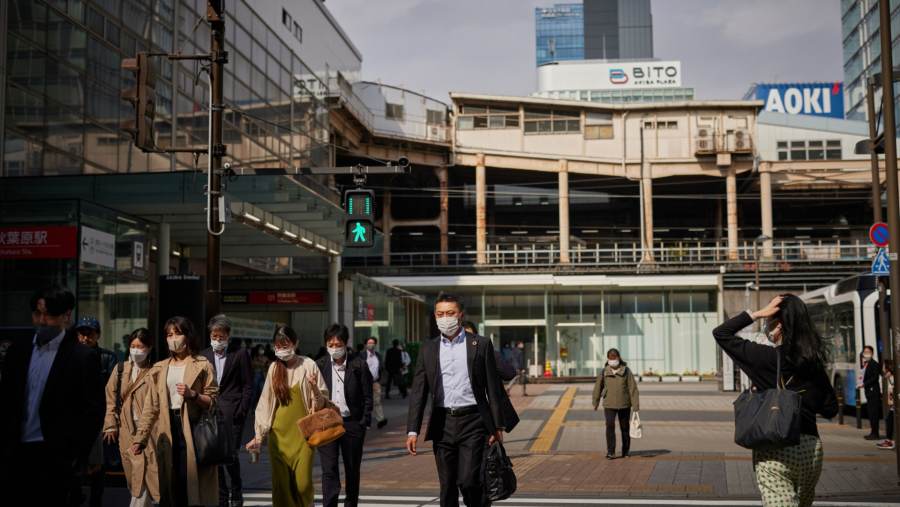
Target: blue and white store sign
column 815, row 99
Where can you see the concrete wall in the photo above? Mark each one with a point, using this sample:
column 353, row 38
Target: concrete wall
column 414, row 124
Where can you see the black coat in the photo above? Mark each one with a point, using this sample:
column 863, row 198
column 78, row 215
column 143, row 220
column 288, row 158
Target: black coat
column 872, row 380
column 72, row 406
column 357, row 386
column 486, row 386
column 236, row 390
column 393, row 360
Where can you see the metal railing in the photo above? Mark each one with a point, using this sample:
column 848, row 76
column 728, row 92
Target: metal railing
column 629, row 255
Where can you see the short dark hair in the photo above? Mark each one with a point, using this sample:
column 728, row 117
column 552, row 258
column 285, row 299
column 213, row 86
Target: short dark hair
column 869, row 347
column 372, row 338
column 395, row 342
column 470, row 324
column 184, row 326
column 446, row 297
column 58, row 300
column 142, row 334
column 337, row 331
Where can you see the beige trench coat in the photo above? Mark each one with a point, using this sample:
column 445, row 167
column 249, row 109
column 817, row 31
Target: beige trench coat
column 140, row 471
column 202, row 482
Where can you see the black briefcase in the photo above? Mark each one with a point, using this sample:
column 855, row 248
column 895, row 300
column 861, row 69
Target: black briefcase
column 497, row 474
column 768, row 419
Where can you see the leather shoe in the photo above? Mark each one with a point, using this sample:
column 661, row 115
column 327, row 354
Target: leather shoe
column 871, row 437
column 382, row 423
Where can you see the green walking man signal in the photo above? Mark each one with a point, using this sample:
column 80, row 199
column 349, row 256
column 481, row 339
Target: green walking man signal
column 359, row 203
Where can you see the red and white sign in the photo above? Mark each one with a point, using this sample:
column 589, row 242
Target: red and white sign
column 39, row 242
column 308, row 297
column 879, row 235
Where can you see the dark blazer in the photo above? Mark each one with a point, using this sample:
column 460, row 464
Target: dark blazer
column 393, row 360
column 486, row 386
column 872, row 380
column 73, row 404
column 357, row 386
column 236, row 390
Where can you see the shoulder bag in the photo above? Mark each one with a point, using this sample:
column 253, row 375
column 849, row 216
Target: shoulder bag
column 322, row 426
column 212, row 439
column 769, row 419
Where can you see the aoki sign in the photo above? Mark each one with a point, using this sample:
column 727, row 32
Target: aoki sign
column 815, row 99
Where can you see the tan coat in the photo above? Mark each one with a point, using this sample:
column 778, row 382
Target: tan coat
column 140, row 471
column 155, row 423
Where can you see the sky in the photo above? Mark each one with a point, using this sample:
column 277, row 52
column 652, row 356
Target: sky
column 487, row 46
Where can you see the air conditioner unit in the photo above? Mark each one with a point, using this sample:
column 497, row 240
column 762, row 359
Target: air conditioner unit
column 704, row 132
column 742, row 141
column 705, row 146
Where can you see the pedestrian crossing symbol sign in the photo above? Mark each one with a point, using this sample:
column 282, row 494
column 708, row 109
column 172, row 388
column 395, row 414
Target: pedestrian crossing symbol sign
column 360, row 234
column 881, row 265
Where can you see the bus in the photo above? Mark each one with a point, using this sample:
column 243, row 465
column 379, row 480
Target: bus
column 846, row 315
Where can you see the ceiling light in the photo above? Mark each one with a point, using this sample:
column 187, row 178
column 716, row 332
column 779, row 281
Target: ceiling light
column 252, row 217
column 624, row 230
column 321, row 247
column 416, row 233
column 544, row 201
column 517, row 201
column 153, row 247
column 451, row 233
column 518, row 232
column 176, row 253
column 590, row 231
column 333, row 252
column 306, row 241
column 290, row 234
column 272, row 226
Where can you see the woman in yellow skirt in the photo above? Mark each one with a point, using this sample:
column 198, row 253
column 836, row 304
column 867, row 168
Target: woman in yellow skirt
column 293, row 389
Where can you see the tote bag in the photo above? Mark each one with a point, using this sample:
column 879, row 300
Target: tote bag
column 212, row 439
column 769, row 419
column 636, row 430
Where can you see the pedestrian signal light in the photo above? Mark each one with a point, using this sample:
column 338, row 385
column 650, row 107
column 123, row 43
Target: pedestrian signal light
column 359, row 203
column 142, row 97
column 360, row 234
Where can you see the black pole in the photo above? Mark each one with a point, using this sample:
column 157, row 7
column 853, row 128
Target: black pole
column 216, row 18
column 890, row 167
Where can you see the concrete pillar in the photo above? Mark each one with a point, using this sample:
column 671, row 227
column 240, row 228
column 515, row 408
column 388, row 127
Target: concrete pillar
column 647, row 188
column 765, row 205
column 564, row 211
column 386, row 227
column 334, row 271
column 348, row 310
column 480, row 210
column 444, row 218
column 164, row 252
column 731, row 201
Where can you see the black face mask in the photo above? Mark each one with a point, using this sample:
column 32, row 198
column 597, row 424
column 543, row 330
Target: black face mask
column 43, row 334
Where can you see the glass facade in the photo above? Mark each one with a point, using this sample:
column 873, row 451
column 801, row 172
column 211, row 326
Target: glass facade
column 559, row 33
column 62, row 102
column 862, row 50
column 622, row 96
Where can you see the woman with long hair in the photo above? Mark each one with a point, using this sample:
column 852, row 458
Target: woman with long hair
column 786, row 475
column 126, row 392
column 616, row 387
column 293, row 389
column 184, row 387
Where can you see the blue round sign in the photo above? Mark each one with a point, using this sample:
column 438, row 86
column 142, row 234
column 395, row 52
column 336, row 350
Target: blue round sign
column 878, row 234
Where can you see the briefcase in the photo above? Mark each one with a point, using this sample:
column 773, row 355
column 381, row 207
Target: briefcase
column 497, row 474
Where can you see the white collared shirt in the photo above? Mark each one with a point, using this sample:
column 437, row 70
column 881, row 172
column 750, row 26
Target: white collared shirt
column 374, row 363
column 38, row 371
column 455, row 373
column 220, row 365
column 338, row 374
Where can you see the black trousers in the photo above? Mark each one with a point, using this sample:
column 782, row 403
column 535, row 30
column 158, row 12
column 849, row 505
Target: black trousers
column 889, row 424
column 624, row 417
column 350, row 447
column 234, row 494
column 873, row 407
column 179, row 462
column 459, row 451
column 36, row 475
column 397, row 378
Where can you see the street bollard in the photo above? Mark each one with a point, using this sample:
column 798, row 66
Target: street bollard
column 840, row 403
column 858, row 410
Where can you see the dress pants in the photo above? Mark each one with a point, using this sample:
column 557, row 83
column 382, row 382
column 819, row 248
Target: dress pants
column 350, row 447
column 233, row 494
column 36, row 475
column 395, row 377
column 377, row 408
column 624, row 417
column 179, row 462
column 459, row 451
column 873, row 406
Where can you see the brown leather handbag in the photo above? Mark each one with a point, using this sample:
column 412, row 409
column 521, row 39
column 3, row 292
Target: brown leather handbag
column 322, row 426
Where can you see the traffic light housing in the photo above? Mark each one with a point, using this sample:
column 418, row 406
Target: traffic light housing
column 359, row 203
column 143, row 98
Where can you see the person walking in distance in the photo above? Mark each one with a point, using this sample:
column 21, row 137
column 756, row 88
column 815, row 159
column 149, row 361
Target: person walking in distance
column 518, row 361
column 393, row 363
column 373, row 360
column 126, row 392
column 349, row 381
column 234, row 376
column 458, row 373
column 616, row 388
column 871, row 385
column 53, row 406
column 184, row 386
column 786, row 475
column 294, row 388
column 889, row 418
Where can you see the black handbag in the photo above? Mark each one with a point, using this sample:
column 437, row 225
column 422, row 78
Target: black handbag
column 497, row 474
column 212, row 439
column 769, row 419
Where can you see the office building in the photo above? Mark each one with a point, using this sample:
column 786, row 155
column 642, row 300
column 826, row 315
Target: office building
column 559, row 33
column 613, row 81
column 862, row 50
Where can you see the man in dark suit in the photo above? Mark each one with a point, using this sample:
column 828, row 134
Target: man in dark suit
column 459, row 372
column 393, row 363
column 871, row 384
column 349, row 382
column 235, row 378
column 53, row 407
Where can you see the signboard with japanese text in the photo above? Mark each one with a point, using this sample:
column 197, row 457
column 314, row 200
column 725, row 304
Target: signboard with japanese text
column 39, row 242
column 308, row 297
column 98, row 247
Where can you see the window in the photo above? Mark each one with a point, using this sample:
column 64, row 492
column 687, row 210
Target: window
column 833, row 149
column 286, row 18
column 661, row 125
column 484, row 117
column 809, row 150
column 393, row 111
column 298, row 32
column 434, row 116
column 598, row 126
column 546, row 121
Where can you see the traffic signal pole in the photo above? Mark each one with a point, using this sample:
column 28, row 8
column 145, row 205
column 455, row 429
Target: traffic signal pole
column 218, row 58
column 893, row 196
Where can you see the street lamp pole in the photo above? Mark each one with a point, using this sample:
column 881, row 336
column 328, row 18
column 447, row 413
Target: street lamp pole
column 890, row 166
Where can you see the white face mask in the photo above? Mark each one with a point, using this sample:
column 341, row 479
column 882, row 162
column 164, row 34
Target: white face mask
column 867, row 357
column 138, row 355
column 285, row 354
column 613, row 362
column 370, row 346
column 448, row 326
column 337, row 352
column 218, row 346
column 176, row 343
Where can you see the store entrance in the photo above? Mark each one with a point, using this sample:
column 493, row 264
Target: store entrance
column 532, row 337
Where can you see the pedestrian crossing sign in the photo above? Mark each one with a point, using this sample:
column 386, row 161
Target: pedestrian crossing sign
column 880, row 264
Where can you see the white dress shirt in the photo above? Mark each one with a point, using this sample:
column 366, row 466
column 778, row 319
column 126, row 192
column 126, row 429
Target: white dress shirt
column 455, row 373
column 374, row 364
column 338, row 374
column 220, row 365
column 38, row 370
